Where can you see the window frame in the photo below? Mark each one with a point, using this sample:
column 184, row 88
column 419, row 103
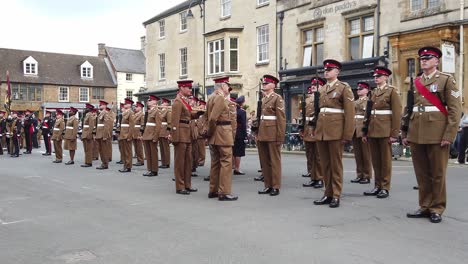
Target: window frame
column 162, row 66
column 80, row 94
column 127, row 75
column 263, row 2
column 87, row 72
column 162, row 25
column 131, row 94
column 30, row 68
column 265, row 44
column 94, row 93
column 234, row 50
column 182, row 62
column 361, row 35
column 224, row 4
column 183, row 21
column 221, row 58
column 17, row 88
column 60, row 92
column 313, row 45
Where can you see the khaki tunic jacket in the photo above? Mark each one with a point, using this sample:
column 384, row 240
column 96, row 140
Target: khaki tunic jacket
column 127, row 126
column 59, row 127
column 272, row 130
column 139, row 123
column 90, row 122
column 201, row 121
column 360, row 110
column 336, row 126
column 104, row 125
column 381, row 126
column 152, row 132
column 310, row 110
column 181, row 131
column 165, row 115
column 218, row 110
column 433, row 127
column 71, row 128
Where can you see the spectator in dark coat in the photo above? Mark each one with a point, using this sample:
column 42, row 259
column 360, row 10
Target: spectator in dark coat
column 241, row 135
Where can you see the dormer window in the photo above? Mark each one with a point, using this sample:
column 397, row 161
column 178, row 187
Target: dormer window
column 30, row 66
column 86, row 70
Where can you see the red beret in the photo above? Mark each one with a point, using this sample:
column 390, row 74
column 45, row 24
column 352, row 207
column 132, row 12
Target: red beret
column 121, row 105
column 129, row 101
column 59, row 112
column 28, row 111
column 270, row 79
column 202, row 102
column 222, row 80
column 318, row 80
column 363, row 85
column 332, row 64
column 139, row 104
column 89, row 106
column 108, row 109
column 379, row 70
column 429, row 52
column 101, row 102
column 164, row 100
column 232, row 99
column 73, row 109
column 153, row 98
column 185, row 83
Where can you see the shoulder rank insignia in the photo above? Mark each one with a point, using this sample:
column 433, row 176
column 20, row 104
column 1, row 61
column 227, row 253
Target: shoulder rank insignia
column 455, row 94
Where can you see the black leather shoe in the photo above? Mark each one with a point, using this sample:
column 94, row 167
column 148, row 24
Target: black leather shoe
column 335, row 202
column 87, row 165
column 260, row 170
column 27, row 152
column 323, row 200
column 125, row 170
column 57, row 161
column 183, row 192
column 173, row 179
column 382, row 194
column 419, row 214
column 102, row 168
column 45, row 154
column 227, row 197
column 207, row 178
column 435, row 218
column 415, row 188
column 164, row 167
column 71, row 162
column 265, row 191
column 275, row 192
column 309, row 184
column 191, row 189
column 306, row 175
column 150, row 174
column 138, row 164
column 238, row 172
column 119, row 162
column 259, row 178
column 213, row 195
column 364, row 181
column 194, row 175
column 318, row 184
column 356, row 180
column 373, row 192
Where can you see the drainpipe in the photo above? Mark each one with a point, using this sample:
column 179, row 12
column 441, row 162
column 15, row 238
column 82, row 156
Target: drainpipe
column 281, row 17
column 377, row 32
column 462, row 48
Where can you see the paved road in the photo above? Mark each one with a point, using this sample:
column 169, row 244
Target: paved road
column 52, row 213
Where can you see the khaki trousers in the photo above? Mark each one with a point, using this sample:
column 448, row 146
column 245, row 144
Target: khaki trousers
column 331, row 158
column 103, row 151
column 88, row 146
column 430, row 166
column 126, row 153
column 183, row 165
column 151, row 154
column 95, row 149
column 108, row 148
column 221, row 169
column 194, row 154
column 58, row 149
column 313, row 161
column 362, row 155
column 120, row 150
column 165, row 151
column 381, row 152
column 201, row 151
column 138, row 146
column 270, row 160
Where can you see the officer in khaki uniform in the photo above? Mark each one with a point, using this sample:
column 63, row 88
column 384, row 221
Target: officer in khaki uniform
column 127, row 127
column 71, row 134
column 314, row 168
column 151, row 132
column 362, row 153
column 384, row 128
column 57, row 136
column 432, row 128
column 182, row 137
column 137, row 143
column 89, row 122
column 219, row 126
column 335, row 127
column 270, row 138
column 103, row 134
column 165, row 113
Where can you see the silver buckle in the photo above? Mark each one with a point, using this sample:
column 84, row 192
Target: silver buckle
column 421, row 108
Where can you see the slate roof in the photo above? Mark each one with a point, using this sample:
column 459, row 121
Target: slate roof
column 54, row 68
column 173, row 10
column 127, row 60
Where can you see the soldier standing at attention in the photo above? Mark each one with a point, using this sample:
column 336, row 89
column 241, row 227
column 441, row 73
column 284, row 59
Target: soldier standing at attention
column 181, row 135
column 384, row 128
column 46, row 126
column 28, row 128
column 432, row 128
column 57, row 136
column 103, row 134
column 335, row 127
column 150, row 137
column 87, row 135
column 137, row 143
column 362, row 153
column 314, row 168
column 71, row 132
column 165, row 114
column 127, row 126
column 221, row 141
column 270, row 136
column 15, row 132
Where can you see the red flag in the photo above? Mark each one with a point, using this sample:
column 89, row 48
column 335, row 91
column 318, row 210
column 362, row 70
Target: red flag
column 8, row 84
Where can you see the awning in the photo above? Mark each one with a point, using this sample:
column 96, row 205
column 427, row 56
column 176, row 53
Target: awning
column 52, row 106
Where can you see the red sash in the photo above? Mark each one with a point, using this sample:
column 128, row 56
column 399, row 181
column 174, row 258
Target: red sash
column 430, row 96
column 186, row 104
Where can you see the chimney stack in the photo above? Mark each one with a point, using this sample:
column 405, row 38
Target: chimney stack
column 143, row 44
column 102, row 50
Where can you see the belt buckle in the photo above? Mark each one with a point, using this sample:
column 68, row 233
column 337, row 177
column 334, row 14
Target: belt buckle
column 421, row 108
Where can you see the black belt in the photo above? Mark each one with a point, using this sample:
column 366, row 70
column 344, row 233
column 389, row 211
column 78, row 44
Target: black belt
column 223, row 123
column 184, row 121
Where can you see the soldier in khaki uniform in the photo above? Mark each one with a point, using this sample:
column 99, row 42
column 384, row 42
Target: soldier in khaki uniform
column 127, row 127
column 137, row 143
column 57, row 136
column 182, row 136
column 151, row 132
column 271, row 132
column 432, row 128
column 220, row 138
column 362, row 153
column 103, row 134
column 89, row 122
column 71, row 133
column 165, row 114
column 384, row 128
column 335, row 127
column 314, row 168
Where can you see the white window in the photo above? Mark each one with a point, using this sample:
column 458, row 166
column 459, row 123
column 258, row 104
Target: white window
column 312, row 46
column 30, row 66
column 233, row 54
column 86, row 70
column 416, row 5
column 262, row 2
column 84, row 94
column 129, row 94
column 263, row 41
column 361, row 38
column 162, row 66
column 225, row 8
column 129, row 77
column 183, row 21
column 63, row 94
column 183, row 62
column 162, row 29
column 216, row 56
